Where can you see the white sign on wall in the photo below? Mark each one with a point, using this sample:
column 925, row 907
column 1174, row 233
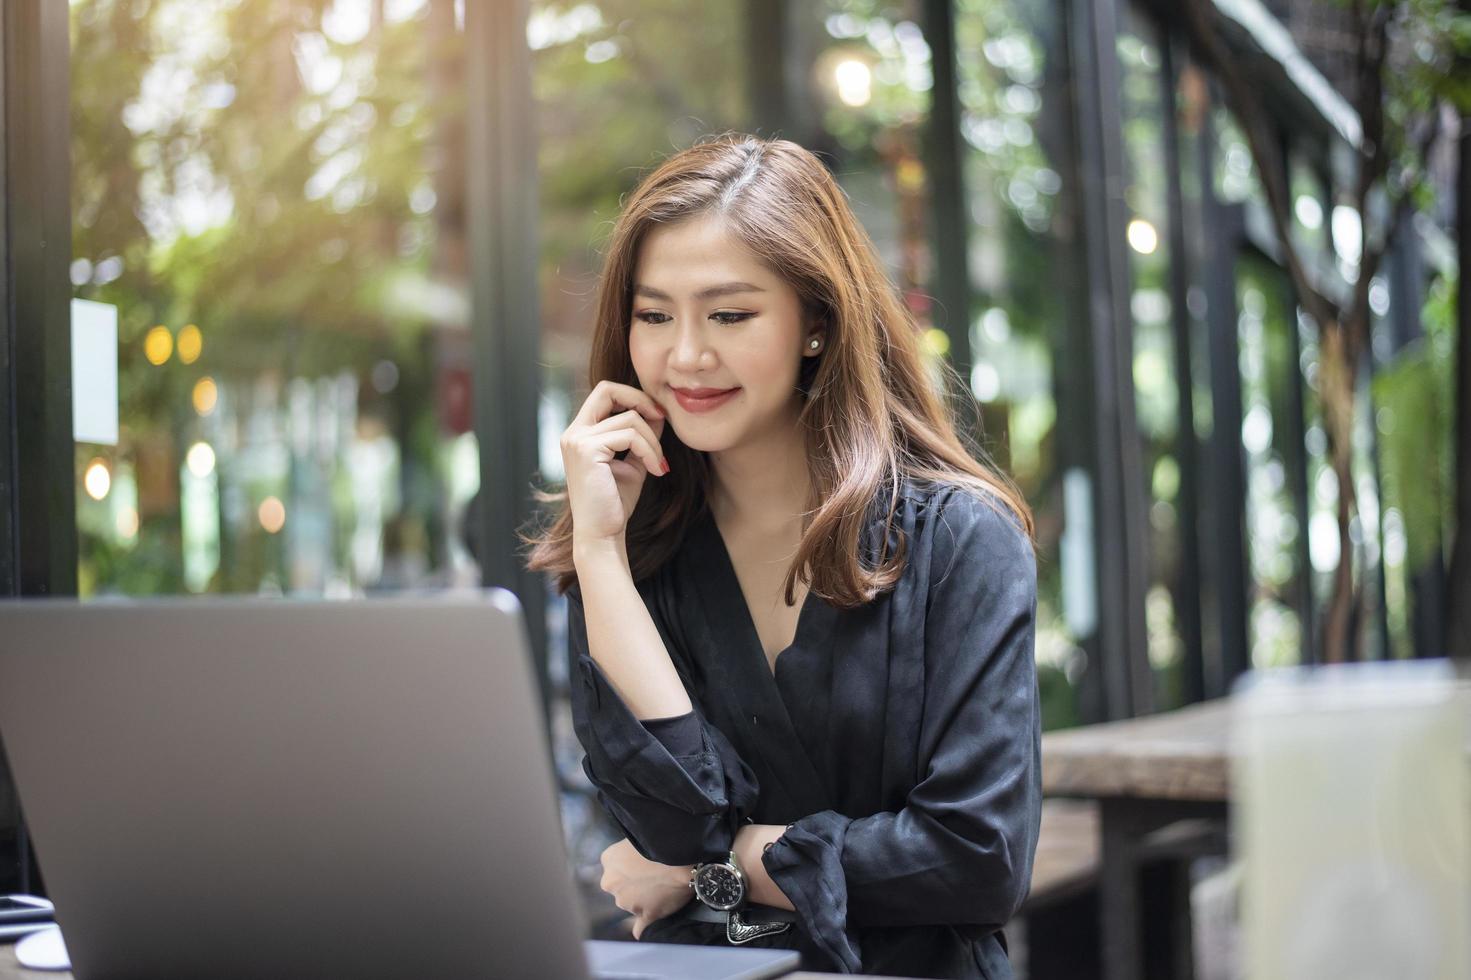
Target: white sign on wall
column 94, row 372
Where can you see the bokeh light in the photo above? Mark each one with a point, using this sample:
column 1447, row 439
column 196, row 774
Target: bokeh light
column 127, row 523
column 97, row 479
column 854, row 81
column 158, row 345
column 272, row 514
column 200, row 459
column 1142, row 237
column 190, row 344
column 206, row 394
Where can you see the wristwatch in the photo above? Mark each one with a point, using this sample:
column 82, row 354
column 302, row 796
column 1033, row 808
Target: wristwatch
column 720, row 885
column 721, row 888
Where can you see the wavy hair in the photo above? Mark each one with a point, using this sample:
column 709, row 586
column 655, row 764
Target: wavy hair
column 871, row 414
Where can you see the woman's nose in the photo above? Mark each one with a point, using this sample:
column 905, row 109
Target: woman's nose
column 690, row 350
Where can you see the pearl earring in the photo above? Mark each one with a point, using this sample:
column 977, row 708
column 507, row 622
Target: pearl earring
column 815, row 343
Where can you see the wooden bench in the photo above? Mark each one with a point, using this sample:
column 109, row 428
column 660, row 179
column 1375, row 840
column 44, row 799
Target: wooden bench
column 1067, row 853
column 1055, row 934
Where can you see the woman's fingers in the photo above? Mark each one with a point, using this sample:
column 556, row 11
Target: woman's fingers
column 608, row 444
column 608, row 397
column 635, row 421
column 600, row 506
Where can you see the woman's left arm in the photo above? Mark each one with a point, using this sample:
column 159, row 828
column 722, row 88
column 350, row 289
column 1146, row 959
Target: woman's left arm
column 649, row 891
column 960, row 850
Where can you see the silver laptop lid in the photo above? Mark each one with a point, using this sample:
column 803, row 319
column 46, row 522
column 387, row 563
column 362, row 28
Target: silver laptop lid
column 249, row 788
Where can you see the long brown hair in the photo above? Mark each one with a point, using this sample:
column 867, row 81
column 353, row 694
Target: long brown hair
column 871, row 414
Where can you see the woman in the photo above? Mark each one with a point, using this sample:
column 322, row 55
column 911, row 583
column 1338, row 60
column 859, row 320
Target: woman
column 801, row 614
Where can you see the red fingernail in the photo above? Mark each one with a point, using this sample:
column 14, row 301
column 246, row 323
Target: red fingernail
column 664, row 462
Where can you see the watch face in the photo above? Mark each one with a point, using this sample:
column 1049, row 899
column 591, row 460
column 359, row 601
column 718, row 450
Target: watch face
column 718, row 886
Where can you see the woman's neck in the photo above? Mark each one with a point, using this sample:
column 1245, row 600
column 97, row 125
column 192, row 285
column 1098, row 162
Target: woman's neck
column 761, row 487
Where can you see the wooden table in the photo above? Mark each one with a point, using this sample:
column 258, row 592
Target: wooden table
column 1146, row 773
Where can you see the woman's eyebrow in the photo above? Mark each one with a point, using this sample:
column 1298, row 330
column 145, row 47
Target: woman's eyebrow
column 709, row 292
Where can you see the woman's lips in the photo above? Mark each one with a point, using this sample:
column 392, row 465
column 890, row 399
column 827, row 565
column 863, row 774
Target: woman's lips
column 707, row 399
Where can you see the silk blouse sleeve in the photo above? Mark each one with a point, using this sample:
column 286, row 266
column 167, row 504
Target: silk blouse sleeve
column 679, row 803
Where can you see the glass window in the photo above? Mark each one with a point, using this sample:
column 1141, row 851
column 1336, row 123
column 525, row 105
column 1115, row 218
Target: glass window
column 1156, row 386
column 269, row 195
column 1024, row 222
column 1268, row 433
column 1234, row 170
column 1310, row 220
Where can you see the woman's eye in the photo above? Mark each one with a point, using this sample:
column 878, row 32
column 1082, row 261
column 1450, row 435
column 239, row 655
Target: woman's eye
column 725, row 317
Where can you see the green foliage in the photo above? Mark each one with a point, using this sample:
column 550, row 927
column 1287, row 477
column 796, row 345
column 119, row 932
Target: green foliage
column 152, row 567
column 1058, row 698
column 1433, row 42
column 1429, row 45
column 1414, row 398
column 239, row 197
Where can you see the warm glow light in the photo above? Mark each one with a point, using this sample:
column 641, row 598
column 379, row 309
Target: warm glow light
column 97, row 479
column 206, row 393
column 191, row 343
column 158, row 344
column 909, row 173
column 936, row 342
column 855, row 82
column 272, row 515
column 1142, row 237
column 127, row 523
column 200, row 459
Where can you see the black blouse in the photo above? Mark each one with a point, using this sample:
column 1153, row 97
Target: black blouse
column 900, row 740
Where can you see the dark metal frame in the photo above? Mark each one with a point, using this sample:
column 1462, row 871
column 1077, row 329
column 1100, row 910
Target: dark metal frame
column 40, row 504
column 9, row 563
column 38, row 543
column 501, row 202
column 1188, row 584
column 778, row 100
column 1297, row 466
column 1119, row 493
column 949, row 231
column 1072, row 377
column 1223, row 238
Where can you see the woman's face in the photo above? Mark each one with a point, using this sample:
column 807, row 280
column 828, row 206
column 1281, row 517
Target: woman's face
column 716, row 338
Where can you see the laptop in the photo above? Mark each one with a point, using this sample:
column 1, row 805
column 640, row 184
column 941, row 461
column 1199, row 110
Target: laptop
column 278, row 788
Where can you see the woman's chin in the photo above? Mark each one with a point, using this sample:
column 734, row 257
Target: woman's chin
column 706, row 445
column 702, row 438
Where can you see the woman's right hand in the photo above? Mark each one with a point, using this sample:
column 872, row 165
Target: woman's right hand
column 601, row 489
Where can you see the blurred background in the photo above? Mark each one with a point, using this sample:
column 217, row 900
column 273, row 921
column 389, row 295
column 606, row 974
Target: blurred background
column 1197, row 260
